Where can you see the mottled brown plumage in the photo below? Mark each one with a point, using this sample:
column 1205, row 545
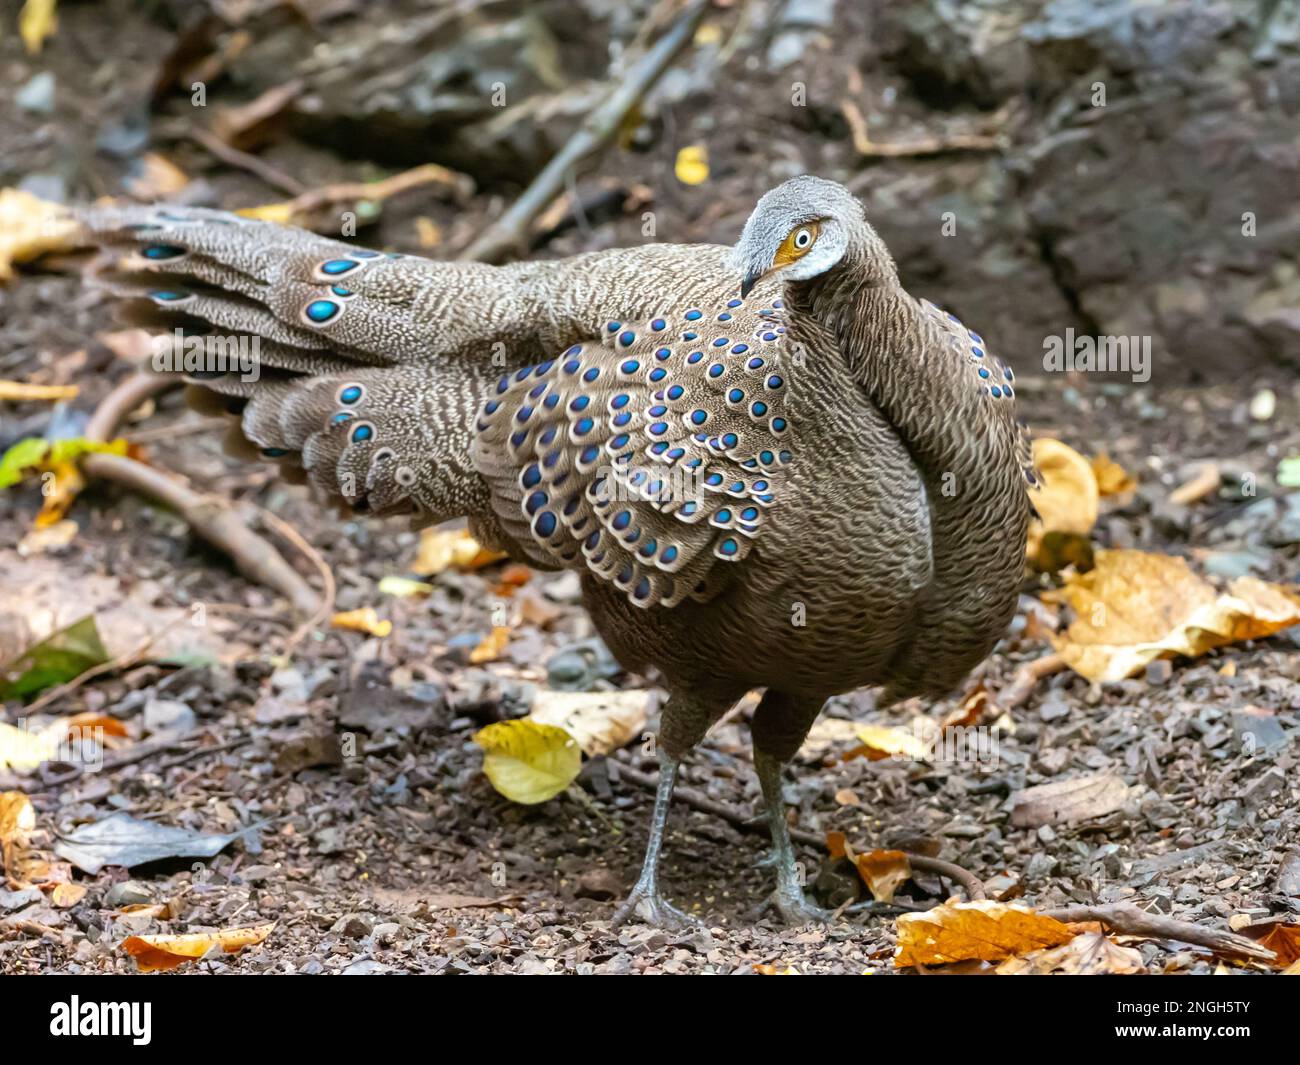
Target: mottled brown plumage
column 815, row 488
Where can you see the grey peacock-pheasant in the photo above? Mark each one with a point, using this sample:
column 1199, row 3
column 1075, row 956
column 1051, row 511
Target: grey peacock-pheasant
column 772, row 467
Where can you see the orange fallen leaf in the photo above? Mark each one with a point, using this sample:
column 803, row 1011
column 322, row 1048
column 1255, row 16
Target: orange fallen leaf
column 155, row 952
column 983, row 931
column 1282, row 939
column 1135, row 607
column 493, row 644
column 837, row 843
column 17, row 822
column 362, row 620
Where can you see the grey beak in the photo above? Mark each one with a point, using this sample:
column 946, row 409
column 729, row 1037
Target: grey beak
column 748, row 283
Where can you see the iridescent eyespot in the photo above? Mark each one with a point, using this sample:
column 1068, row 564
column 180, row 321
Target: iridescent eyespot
column 318, row 312
column 362, row 431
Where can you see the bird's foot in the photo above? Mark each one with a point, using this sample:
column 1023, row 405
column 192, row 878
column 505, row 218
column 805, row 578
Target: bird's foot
column 795, row 909
column 648, row 906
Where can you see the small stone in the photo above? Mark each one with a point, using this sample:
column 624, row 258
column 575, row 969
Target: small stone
column 1263, row 404
column 1159, row 671
column 37, row 96
column 386, row 930
column 352, row 926
column 127, row 893
column 168, row 715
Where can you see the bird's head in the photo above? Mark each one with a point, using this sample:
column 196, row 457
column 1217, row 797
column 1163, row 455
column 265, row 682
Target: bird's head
column 801, row 228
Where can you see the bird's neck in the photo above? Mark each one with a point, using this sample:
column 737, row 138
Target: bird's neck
column 893, row 352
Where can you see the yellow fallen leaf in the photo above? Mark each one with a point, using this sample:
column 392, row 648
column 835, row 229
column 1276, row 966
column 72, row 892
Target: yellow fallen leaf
column 30, row 227
column 1112, row 479
column 59, row 493
column 279, row 213
column 403, row 587
column 1066, row 497
column 23, row 749
column 493, row 644
column 884, row 872
column 1089, row 954
column 528, row 762
column 36, row 22
column 363, row 620
column 884, row 741
column 443, row 549
column 983, row 931
column 692, row 166
column 21, row 391
column 601, row 722
column 17, row 822
column 1135, row 607
column 155, row 952
column 65, row 896
column 47, row 538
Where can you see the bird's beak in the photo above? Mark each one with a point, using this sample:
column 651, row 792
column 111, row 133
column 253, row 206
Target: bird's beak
column 751, row 279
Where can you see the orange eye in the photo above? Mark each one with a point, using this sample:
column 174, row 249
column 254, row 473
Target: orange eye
column 797, row 243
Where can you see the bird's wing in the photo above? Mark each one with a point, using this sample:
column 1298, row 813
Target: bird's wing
column 650, row 455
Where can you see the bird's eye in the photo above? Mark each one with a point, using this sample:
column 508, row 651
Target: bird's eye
column 802, row 238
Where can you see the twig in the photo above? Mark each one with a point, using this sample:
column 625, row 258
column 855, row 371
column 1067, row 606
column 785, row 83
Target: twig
column 1127, row 919
column 697, row 800
column 272, row 175
column 1026, row 678
column 210, row 517
column 509, row 233
column 326, row 607
column 429, row 174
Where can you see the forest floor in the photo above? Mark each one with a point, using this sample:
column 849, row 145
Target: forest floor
column 400, row 856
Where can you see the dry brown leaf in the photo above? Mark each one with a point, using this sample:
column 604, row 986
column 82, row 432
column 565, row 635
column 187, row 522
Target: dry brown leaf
column 155, row 952
column 983, row 931
column 1089, row 954
column 764, row 969
column 1135, row 607
column 1112, row 479
column 838, row 844
column 443, row 549
column 1066, row 497
column 494, row 643
column 30, row 227
column 847, row 797
column 363, row 620
column 601, row 722
column 1064, row 802
column 884, row 872
column 17, row 822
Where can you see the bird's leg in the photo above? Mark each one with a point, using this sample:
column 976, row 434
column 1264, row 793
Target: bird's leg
column 780, row 725
column 645, row 901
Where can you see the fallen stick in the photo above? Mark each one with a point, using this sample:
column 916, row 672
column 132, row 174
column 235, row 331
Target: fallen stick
column 509, row 233
column 1026, row 679
column 212, row 518
column 1127, row 919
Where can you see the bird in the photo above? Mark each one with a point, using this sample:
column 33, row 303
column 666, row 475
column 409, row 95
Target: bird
column 773, row 468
